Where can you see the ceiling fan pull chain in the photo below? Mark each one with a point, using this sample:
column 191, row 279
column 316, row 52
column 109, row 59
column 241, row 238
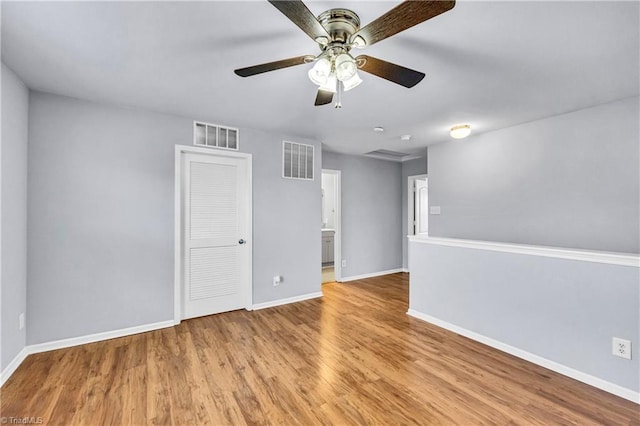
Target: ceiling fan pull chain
column 339, row 94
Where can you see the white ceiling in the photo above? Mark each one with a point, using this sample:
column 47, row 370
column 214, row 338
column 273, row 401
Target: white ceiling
column 490, row 64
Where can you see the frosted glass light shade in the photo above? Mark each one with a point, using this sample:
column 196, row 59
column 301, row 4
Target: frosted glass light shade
column 460, row 131
column 320, row 71
column 345, row 67
column 352, row 82
column 330, row 84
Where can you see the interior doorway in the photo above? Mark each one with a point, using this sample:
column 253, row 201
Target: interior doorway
column 418, row 205
column 331, row 226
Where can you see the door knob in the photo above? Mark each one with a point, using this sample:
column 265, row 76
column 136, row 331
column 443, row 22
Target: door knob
column 241, row 241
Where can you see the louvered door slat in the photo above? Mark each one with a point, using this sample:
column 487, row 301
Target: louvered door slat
column 213, row 201
column 213, row 272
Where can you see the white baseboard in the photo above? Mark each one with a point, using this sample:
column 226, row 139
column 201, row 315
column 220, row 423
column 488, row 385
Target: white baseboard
column 535, row 359
column 75, row 341
column 13, row 365
column 97, row 337
column 405, row 270
column 287, row 300
column 371, row 275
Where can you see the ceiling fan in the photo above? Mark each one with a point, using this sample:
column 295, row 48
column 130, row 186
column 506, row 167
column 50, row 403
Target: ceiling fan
column 337, row 31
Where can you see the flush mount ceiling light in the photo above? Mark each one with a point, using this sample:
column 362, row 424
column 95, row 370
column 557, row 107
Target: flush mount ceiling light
column 405, row 137
column 378, row 129
column 460, row 131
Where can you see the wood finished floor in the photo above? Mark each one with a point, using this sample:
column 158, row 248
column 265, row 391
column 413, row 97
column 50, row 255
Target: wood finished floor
column 352, row 357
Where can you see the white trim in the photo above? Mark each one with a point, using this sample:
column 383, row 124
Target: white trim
column 76, row 341
column 13, row 365
column 372, row 274
column 535, row 359
column 286, row 301
column 612, row 258
column 177, row 235
column 337, row 243
column 405, row 270
column 177, row 225
column 97, row 337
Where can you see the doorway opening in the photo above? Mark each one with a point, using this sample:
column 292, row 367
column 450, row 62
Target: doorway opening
column 331, row 226
column 418, row 207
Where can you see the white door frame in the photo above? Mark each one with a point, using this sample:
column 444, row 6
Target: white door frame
column 178, row 245
column 411, row 182
column 337, row 243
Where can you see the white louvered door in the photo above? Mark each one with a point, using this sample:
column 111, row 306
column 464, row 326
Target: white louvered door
column 217, row 221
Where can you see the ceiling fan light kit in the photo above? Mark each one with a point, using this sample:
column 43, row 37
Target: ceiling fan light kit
column 337, row 31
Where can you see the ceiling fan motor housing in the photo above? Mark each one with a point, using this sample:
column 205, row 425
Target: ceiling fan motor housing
column 341, row 24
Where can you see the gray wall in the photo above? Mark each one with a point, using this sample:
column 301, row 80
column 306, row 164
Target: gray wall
column 101, row 217
column 568, row 181
column 371, row 213
column 15, row 112
column 414, row 167
column 287, row 218
column 563, row 310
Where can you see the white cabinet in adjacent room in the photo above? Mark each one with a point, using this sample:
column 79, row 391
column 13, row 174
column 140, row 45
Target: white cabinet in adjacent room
column 327, row 247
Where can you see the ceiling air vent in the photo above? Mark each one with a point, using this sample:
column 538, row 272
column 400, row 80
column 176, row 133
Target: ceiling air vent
column 297, row 160
column 215, row 136
column 385, row 154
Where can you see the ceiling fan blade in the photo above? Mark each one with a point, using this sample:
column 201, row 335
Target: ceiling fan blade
column 271, row 66
column 404, row 16
column 398, row 74
column 323, row 97
column 300, row 15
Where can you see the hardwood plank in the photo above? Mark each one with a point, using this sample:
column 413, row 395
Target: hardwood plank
column 352, row 357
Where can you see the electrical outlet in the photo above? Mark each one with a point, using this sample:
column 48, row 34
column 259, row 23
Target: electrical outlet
column 277, row 280
column 21, row 321
column 621, row 348
column 344, row 263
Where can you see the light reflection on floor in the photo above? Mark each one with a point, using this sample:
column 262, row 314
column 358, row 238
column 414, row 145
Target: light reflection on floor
column 328, row 275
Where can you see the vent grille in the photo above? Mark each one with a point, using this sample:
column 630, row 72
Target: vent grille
column 297, row 160
column 215, row 136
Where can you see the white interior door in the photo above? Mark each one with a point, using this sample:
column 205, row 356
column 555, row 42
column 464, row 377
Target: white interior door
column 422, row 207
column 216, row 234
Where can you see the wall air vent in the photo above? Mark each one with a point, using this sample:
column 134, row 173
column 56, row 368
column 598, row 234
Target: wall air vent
column 297, row 160
column 385, row 154
column 215, row 136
